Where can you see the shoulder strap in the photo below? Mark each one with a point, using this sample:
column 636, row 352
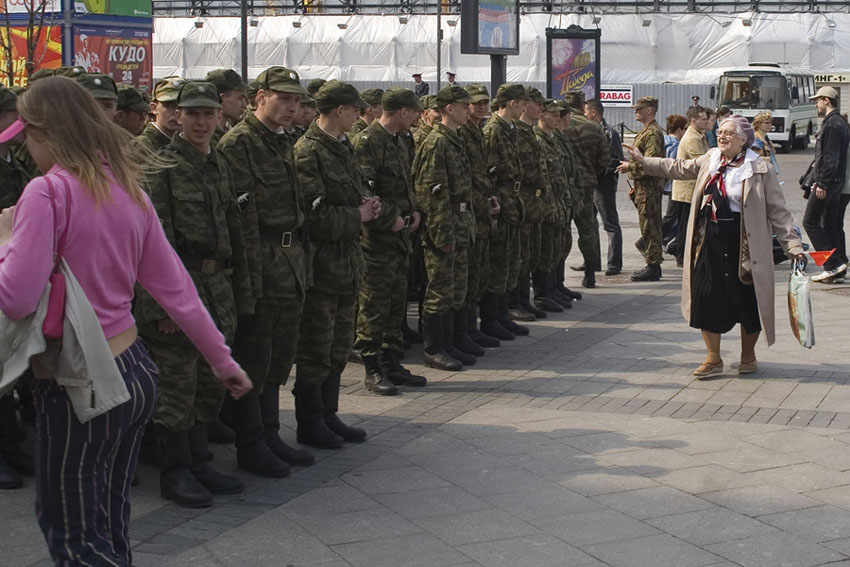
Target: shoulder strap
column 60, row 245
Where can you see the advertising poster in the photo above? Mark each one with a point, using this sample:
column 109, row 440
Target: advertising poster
column 574, row 66
column 497, row 25
column 616, row 96
column 29, row 6
column 48, row 53
column 134, row 8
column 125, row 54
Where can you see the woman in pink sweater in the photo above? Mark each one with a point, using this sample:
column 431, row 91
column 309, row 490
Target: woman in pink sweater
column 113, row 238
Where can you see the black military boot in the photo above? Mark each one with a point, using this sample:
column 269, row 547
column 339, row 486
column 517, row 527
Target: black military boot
column 219, row 433
column 524, row 290
column 10, row 439
column 409, row 334
column 9, row 477
column 398, row 374
column 490, row 324
column 461, row 339
column 252, row 452
column 435, row 354
column 559, row 283
column 310, row 414
column 375, row 380
column 176, row 482
column 651, row 273
column 474, row 333
column 589, row 279
column 505, row 321
column 270, row 412
column 448, row 340
column 515, row 309
column 211, row 479
column 544, row 293
column 330, row 402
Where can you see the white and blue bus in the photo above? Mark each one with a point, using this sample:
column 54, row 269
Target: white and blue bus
column 783, row 91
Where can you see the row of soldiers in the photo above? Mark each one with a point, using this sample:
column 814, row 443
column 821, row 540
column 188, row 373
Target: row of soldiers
column 299, row 240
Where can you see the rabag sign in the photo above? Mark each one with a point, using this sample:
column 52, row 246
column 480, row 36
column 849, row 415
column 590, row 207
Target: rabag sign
column 616, row 95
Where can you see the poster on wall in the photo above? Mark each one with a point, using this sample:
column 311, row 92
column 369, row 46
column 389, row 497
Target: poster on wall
column 135, row 8
column 490, row 27
column 29, row 6
column 125, row 54
column 573, row 62
column 48, row 52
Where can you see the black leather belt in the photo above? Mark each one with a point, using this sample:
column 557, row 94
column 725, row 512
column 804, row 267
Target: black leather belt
column 205, row 266
column 276, row 238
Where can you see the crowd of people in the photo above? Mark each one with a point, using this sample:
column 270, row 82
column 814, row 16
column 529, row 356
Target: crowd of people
column 270, row 225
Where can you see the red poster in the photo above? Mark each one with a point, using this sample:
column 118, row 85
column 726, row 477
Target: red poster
column 48, row 52
column 125, row 54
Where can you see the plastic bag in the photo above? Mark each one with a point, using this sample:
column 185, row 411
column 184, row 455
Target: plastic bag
column 800, row 305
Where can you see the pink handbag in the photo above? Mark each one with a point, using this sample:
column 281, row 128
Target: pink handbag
column 54, row 321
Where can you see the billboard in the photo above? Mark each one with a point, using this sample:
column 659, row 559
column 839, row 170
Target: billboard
column 48, row 52
column 573, row 62
column 490, row 27
column 28, row 6
column 616, row 95
column 135, row 8
column 125, row 54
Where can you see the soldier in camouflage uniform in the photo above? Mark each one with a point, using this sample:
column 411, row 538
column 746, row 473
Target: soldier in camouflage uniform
column 504, row 165
column 198, row 210
column 647, row 191
column 314, row 85
column 158, row 133
column 132, row 110
column 251, row 96
column 386, row 243
column 372, row 97
column 443, row 188
column 563, row 294
column 104, row 91
column 13, row 176
column 267, row 189
column 430, row 116
column 590, row 148
column 233, row 93
column 336, row 208
column 306, row 115
column 485, row 206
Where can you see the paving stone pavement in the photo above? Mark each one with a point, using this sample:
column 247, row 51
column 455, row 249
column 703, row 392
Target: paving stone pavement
column 588, row 443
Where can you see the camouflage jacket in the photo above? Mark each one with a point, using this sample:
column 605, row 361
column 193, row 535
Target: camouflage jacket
column 198, row 211
column 558, row 197
column 409, row 145
column 482, row 181
column 649, row 142
column 443, row 187
column 328, row 171
column 359, row 126
column 590, row 148
column 219, row 132
column 535, row 179
column 13, row 179
column 385, row 169
column 573, row 198
column 504, row 165
column 153, row 138
column 272, row 205
column 421, row 132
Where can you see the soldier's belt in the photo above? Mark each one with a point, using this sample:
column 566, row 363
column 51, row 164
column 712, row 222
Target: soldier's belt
column 406, row 221
column 276, row 238
column 205, row 266
column 517, row 185
column 460, row 207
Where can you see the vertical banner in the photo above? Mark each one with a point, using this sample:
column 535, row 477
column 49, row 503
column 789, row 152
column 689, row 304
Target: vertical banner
column 125, row 54
column 573, row 62
column 48, row 52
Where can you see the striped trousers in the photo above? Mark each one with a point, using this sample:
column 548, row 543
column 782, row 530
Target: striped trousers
column 84, row 470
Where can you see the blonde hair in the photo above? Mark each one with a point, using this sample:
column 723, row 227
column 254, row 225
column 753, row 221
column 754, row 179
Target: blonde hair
column 762, row 118
column 64, row 117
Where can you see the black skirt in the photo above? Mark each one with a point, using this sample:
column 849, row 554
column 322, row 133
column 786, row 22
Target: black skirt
column 719, row 300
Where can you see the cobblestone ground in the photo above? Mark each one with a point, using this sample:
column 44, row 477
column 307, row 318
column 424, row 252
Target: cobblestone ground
column 588, row 443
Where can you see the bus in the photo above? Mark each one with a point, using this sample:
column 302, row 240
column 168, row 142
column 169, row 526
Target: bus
column 782, row 90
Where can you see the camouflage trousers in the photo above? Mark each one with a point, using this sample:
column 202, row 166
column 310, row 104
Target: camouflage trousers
column 568, row 236
column 327, row 333
column 447, row 280
column 478, row 262
column 588, row 233
column 382, row 302
column 529, row 248
column 187, row 390
column 648, row 204
column 552, row 244
column 504, row 258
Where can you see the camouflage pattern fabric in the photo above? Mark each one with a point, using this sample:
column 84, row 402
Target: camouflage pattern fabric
column 649, row 191
column 327, row 333
column 482, row 180
column 13, row 179
column 358, row 126
column 153, row 138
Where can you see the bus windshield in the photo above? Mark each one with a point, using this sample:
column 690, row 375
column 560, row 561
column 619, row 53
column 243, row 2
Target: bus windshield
column 754, row 91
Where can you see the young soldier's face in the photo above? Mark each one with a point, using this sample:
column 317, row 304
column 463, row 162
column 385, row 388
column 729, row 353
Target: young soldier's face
column 166, row 115
column 233, row 104
column 279, row 108
column 551, row 120
column 479, row 110
column 109, row 106
column 198, row 124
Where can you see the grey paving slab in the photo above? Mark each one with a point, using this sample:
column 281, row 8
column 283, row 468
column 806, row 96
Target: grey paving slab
column 539, row 550
column 760, row 500
column 474, row 527
column 356, row 526
column 591, row 528
column 652, row 502
column 414, row 504
column 651, row 551
column 592, row 482
column 715, row 525
column 822, row 523
column 419, row 550
column 775, row 550
column 550, row 501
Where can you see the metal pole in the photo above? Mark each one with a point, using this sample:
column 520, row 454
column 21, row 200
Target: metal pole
column 439, row 43
column 498, row 72
column 244, row 46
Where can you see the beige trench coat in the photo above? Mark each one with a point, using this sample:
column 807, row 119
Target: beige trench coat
column 692, row 145
column 763, row 214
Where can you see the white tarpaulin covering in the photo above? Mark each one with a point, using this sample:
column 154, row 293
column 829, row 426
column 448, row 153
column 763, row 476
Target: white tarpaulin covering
column 692, row 48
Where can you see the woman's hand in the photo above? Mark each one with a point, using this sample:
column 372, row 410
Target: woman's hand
column 7, row 222
column 238, row 385
column 634, row 153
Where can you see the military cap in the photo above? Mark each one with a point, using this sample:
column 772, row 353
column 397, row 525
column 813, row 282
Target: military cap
column 314, row 85
column 416, row 74
column 42, row 73
column 575, row 100
column 396, row 98
column 646, row 102
column 307, row 100
column 509, row 92
column 552, row 105
column 131, row 100
column 72, row 71
column 477, row 92
column 198, row 94
column 452, row 93
column 372, row 97
column 428, row 101
column 100, row 86
column 253, row 87
column 280, row 79
column 226, row 80
column 535, row 95
column 336, row 93
column 8, row 99
column 167, row 89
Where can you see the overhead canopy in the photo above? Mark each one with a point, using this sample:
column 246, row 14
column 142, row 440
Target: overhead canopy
column 691, row 48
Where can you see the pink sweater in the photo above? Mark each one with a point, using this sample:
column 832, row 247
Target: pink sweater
column 108, row 247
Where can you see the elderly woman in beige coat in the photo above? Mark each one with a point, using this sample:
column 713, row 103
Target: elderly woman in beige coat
column 736, row 209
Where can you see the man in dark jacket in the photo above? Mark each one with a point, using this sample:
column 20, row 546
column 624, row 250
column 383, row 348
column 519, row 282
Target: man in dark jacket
column 828, row 175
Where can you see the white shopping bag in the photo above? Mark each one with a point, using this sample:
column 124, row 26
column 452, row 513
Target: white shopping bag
column 800, row 305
